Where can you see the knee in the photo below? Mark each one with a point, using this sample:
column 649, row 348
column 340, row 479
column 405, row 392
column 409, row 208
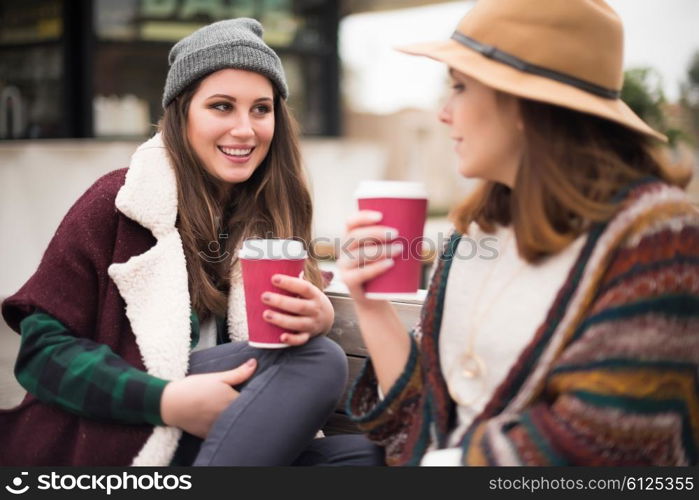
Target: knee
column 332, row 354
column 329, row 360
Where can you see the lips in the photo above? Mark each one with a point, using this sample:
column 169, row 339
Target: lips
column 236, row 152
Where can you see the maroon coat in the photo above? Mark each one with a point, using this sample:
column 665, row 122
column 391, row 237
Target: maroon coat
column 72, row 285
column 115, row 272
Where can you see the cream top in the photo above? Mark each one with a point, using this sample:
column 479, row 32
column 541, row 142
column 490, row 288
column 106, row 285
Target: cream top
column 495, row 301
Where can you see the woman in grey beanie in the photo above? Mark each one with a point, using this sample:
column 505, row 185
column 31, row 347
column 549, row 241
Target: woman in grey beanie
column 146, row 357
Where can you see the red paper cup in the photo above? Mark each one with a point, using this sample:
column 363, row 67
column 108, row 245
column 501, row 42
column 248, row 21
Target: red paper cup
column 260, row 260
column 404, row 207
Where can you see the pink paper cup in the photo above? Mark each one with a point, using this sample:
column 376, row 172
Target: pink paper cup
column 260, row 260
column 404, row 207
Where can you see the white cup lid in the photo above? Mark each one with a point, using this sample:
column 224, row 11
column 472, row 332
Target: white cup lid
column 285, row 249
column 390, row 189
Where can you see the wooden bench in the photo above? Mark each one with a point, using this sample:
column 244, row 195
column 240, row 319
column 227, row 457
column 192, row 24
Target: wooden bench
column 345, row 331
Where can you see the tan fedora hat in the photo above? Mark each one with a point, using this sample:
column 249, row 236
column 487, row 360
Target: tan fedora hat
column 563, row 52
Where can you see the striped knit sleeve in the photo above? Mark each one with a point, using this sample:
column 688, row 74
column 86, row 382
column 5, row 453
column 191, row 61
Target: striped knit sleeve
column 84, row 377
column 625, row 390
column 387, row 420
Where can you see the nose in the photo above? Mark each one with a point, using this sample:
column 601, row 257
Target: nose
column 444, row 114
column 241, row 127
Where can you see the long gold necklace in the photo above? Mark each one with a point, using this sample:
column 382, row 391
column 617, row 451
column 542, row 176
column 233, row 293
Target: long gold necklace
column 469, row 365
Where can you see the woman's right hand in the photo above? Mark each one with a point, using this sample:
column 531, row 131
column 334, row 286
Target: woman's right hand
column 194, row 403
column 366, row 252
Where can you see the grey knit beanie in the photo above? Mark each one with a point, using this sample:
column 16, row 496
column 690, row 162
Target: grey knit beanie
column 235, row 43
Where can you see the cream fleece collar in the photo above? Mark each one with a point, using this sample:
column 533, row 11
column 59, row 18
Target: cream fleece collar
column 154, row 285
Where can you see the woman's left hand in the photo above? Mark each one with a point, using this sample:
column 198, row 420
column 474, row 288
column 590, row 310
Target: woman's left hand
column 311, row 312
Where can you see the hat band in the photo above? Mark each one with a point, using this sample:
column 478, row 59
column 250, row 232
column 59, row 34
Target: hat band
column 517, row 63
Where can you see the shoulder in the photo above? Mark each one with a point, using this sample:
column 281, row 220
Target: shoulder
column 658, row 213
column 105, row 188
column 99, row 199
column 652, row 193
column 93, row 216
column 653, row 242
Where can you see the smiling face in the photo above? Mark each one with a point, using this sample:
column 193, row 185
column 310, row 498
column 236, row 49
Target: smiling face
column 487, row 128
column 230, row 123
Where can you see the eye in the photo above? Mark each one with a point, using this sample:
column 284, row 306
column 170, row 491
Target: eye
column 458, row 87
column 221, row 106
column 262, row 109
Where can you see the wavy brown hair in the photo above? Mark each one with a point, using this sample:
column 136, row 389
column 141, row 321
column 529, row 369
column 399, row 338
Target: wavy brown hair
column 573, row 165
column 273, row 203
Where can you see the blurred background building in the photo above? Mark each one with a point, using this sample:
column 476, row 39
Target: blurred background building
column 81, row 84
column 96, row 68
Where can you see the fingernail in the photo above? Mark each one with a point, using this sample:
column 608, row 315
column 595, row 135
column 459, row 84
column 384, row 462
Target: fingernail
column 374, row 216
column 269, row 314
column 266, row 297
column 392, row 234
column 276, row 280
column 251, row 362
column 388, row 262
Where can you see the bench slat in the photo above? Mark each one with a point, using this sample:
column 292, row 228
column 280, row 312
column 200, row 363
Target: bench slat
column 345, row 330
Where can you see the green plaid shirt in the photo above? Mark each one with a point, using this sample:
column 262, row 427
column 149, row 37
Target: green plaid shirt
column 84, row 377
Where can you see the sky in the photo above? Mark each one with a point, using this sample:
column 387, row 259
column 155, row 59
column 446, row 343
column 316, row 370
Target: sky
column 662, row 34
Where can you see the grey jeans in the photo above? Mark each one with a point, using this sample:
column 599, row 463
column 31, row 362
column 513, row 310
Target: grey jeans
column 279, row 410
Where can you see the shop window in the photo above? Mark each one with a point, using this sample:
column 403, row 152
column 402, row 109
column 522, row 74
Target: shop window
column 31, row 70
column 96, row 68
column 135, row 36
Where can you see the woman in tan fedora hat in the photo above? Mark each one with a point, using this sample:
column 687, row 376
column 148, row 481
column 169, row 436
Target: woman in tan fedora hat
column 578, row 344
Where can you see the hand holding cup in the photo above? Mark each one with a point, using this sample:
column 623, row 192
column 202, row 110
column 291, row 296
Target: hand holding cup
column 303, row 314
column 261, row 260
column 367, row 251
column 389, row 255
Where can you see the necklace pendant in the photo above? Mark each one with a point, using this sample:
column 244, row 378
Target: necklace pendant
column 471, row 366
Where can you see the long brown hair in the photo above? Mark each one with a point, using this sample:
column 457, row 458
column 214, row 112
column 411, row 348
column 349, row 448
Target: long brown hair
column 573, row 165
column 273, row 203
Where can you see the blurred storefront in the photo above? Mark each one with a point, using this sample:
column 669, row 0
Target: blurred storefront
column 80, row 89
column 95, row 68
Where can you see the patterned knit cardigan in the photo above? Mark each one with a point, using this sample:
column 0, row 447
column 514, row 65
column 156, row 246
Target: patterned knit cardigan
column 609, row 378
